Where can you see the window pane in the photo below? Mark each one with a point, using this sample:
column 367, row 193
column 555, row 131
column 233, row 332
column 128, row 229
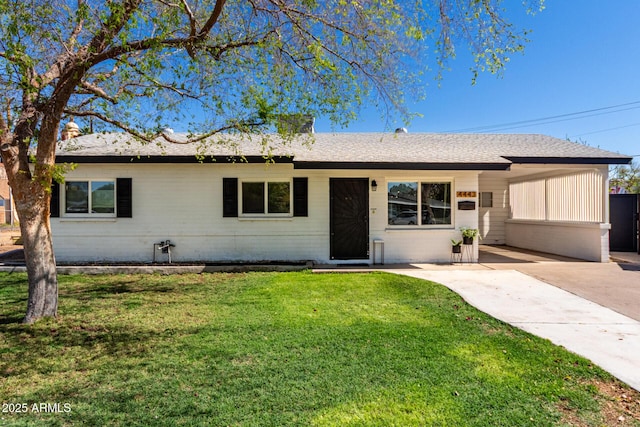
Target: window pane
column 436, row 203
column 102, row 197
column 252, row 197
column 77, row 197
column 279, row 197
column 403, row 203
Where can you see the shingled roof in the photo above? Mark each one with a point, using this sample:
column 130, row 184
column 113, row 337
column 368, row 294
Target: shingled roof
column 345, row 150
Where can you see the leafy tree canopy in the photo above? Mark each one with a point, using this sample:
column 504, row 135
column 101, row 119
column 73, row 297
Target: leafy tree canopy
column 626, row 178
column 212, row 66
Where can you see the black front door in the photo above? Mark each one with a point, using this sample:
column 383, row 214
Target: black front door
column 349, row 218
column 623, row 210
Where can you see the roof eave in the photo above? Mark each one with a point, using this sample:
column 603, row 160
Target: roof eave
column 170, row 159
column 400, row 165
column 571, row 160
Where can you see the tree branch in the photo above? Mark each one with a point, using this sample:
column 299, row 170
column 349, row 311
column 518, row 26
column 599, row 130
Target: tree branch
column 240, row 126
column 213, row 18
column 73, row 38
column 97, row 91
column 192, row 19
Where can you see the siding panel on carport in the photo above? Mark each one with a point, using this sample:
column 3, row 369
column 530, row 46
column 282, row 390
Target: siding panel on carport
column 576, row 197
column 561, row 214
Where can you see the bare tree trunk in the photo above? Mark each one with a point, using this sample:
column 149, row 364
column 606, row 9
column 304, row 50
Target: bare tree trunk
column 41, row 268
column 39, row 257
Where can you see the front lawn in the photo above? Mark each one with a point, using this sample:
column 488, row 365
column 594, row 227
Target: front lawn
column 279, row 349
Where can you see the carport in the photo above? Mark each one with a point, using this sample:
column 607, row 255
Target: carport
column 560, row 209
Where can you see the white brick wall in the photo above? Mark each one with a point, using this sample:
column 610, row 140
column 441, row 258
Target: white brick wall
column 588, row 241
column 183, row 203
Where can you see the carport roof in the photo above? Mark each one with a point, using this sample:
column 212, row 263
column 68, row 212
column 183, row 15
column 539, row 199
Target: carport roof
column 344, row 150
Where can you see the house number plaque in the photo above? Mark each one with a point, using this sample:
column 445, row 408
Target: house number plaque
column 466, row 194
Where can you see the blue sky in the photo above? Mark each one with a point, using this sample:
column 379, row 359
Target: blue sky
column 584, row 55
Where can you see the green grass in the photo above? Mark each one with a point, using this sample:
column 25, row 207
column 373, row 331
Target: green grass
column 267, row 349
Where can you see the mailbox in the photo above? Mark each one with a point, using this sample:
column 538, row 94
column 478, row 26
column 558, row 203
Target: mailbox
column 466, row 205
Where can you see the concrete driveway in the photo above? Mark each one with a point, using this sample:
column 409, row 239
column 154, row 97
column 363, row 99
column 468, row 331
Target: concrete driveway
column 589, row 308
column 615, row 285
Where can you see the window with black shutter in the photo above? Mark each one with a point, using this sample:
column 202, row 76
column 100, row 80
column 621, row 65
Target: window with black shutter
column 54, row 207
column 265, row 198
column 92, row 198
column 124, row 193
column 300, row 197
column 229, row 197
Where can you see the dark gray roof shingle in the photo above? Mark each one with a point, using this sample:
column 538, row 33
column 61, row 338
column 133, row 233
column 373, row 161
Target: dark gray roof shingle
column 352, row 148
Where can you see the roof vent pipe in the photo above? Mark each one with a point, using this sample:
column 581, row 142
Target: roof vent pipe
column 402, row 130
column 71, row 130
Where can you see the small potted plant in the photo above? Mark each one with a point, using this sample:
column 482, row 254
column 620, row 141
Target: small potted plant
column 456, row 247
column 468, row 234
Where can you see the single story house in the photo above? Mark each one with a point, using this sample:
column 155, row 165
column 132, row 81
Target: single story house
column 329, row 198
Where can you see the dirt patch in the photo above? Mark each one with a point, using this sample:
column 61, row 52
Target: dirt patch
column 8, row 238
column 619, row 406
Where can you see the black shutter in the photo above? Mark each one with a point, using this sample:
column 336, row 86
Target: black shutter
column 229, row 197
column 300, row 197
column 124, row 208
column 54, row 207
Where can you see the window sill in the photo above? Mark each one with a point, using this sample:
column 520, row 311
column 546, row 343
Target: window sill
column 418, row 228
column 88, row 219
column 265, row 218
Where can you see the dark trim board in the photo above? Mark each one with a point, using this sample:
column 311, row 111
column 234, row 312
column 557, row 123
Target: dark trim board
column 570, row 160
column 401, row 166
column 171, row 159
column 283, row 160
column 119, row 159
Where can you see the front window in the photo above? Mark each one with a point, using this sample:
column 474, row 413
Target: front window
column 253, row 197
column 279, row 198
column 419, row 203
column 90, row 197
column 436, row 203
column 266, row 198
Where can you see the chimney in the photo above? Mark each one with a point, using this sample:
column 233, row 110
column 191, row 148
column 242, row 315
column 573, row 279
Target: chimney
column 296, row 123
column 70, row 130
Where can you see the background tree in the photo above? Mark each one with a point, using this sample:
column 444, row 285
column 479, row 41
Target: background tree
column 213, row 66
column 625, row 179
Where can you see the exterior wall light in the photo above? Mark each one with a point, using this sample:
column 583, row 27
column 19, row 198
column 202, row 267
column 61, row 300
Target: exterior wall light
column 374, row 185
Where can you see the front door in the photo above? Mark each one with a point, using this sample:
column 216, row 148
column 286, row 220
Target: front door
column 349, row 218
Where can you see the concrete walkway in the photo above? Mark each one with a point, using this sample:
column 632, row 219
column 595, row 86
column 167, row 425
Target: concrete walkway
column 606, row 337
